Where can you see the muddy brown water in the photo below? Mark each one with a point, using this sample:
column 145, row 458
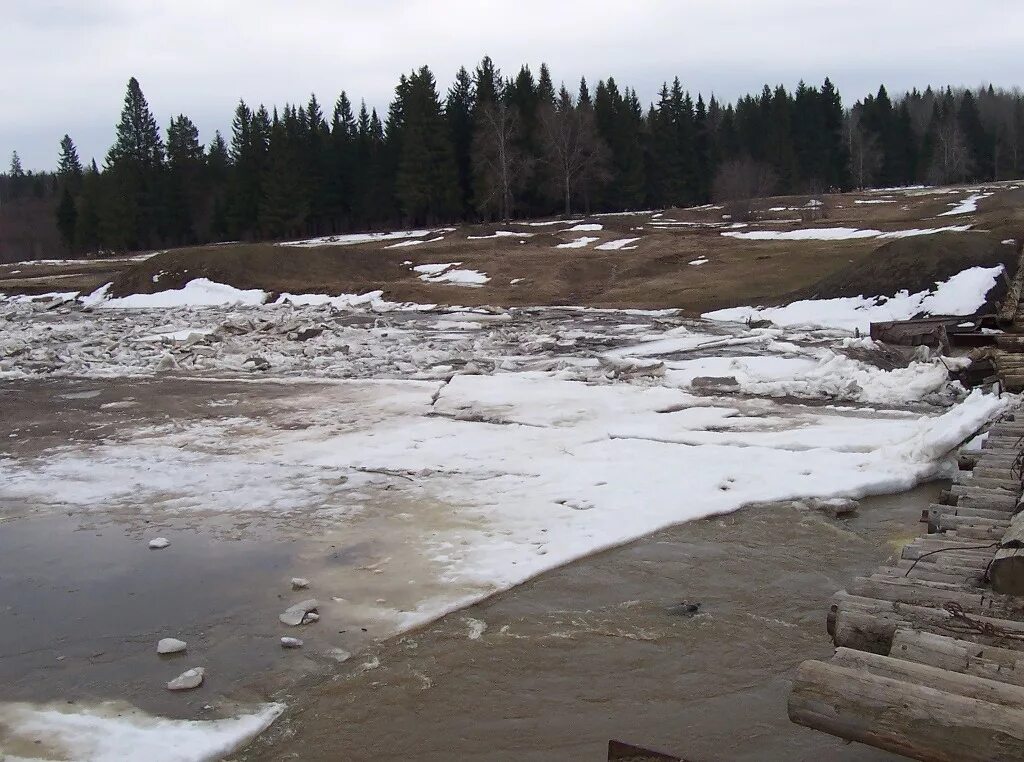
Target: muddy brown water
column 548, row 671
column 592, row 652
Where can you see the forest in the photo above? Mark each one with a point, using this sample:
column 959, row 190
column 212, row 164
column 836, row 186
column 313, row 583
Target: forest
column 495, row 147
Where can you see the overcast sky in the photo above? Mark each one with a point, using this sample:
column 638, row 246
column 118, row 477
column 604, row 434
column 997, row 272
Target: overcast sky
column 65, row 63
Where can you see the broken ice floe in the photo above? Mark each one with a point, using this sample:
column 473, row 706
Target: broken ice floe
column 187, row 680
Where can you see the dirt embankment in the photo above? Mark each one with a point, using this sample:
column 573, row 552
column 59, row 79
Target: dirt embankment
column 914, row 264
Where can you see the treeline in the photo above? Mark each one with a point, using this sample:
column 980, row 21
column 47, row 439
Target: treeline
column 498, row 147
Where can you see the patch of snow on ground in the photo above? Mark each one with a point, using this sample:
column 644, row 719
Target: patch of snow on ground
column 200, row 292
column 698, row 262
column 442, row 273
column 500, row 234
column 838, row 234
column 591, row 227
column 113, row 732
column 967, row 206
column 620, row 244
column 962, row 294
column 352, row 239
column 579, row 243
column 403, row 244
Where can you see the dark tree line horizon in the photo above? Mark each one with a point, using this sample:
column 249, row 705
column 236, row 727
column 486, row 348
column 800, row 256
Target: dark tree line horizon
column 497, row 148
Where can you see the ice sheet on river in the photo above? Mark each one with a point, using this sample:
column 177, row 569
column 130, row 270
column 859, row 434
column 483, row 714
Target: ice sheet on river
column 473, row 449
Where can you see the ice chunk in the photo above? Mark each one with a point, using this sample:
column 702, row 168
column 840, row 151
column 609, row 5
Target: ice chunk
column 295, row 614
column 187, row 680
column 170, row 646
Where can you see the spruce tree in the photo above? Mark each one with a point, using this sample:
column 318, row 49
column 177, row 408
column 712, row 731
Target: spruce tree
column 426, row 182
column 135, row 166
column 69, row 166
column 186, row 170
column 459, row 115
column 67, row 218
column 17, row 177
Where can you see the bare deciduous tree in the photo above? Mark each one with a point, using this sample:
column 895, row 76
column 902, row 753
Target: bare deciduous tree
column 499, row 166
column 951, row 161
column 865, row 155
column 739, row 182
column 573, row 150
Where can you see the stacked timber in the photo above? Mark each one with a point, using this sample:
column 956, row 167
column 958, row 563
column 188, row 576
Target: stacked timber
column 930, row 649
column 1008, row 355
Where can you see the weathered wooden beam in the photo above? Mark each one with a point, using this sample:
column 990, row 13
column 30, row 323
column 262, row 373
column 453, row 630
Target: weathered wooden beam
column 937, row 595
column 1007, row 568
column 932, row 676
column 905, row 717
column 1001, row 514
column 868, row 624
column 991, row 662
column 982, row 497
column 974, row 479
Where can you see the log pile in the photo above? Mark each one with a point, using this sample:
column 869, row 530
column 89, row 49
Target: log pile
column 1005, row 360
column 930, row 649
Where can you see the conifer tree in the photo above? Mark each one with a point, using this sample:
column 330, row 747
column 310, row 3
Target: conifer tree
column 17, row 175
column 186, row 165
column 69, row 166
column 426, row 183
column 459, row 114
column 132, row 213
column 67, row 217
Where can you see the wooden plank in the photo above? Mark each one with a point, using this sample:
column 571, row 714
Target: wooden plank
column 904, row 717
column 963, row 656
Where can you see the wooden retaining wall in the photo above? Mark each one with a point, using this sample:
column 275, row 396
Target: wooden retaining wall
column 930, row 648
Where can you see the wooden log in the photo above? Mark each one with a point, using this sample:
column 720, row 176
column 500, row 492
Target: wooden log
column 1007, row 494
column 1009, row 460
column 937, row 595
column 1002, row 514
column 963, row 656
column 981, row 497
column 973, row 501
column 989, row 470
column 904, row 717
column 868, row 624
column 950, row 681
column 909, row 568
column 1007, row 568
column 973, row 479
column 948, row 522
column 978, row 532
column 1007, row 571
column 1003, row 443
column 930, row 573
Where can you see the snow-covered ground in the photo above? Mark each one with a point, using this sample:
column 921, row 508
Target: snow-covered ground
column 114, row 732
column 839, row 233
column 481, row 446
column 963, row 294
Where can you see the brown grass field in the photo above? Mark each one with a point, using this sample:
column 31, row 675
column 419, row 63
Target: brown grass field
column 656, row 274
